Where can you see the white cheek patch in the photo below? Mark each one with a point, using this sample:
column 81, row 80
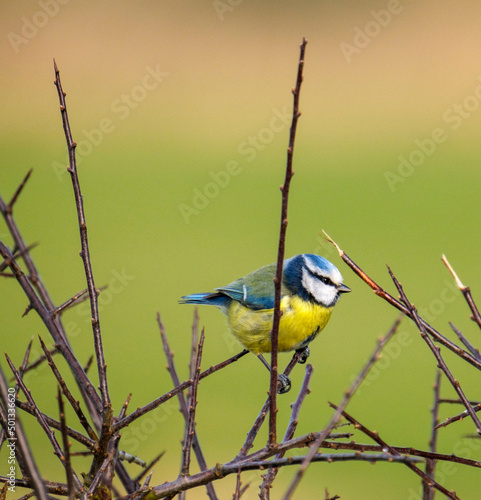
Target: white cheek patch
column 334, row 274
column 322, row 293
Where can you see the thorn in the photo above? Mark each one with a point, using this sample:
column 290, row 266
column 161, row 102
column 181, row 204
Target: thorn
column 29, row 308
column 19, row 190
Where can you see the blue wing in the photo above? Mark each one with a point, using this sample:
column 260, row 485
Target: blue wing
column 255, row 291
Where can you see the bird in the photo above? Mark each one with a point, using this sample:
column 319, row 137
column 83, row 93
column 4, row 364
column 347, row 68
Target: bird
column 311, row 287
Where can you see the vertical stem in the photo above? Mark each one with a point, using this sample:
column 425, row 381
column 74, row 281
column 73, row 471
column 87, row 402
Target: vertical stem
column 280, row 255
column 85, row 253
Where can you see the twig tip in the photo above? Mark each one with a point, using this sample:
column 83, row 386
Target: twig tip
column 459, row 283
column 330, row 240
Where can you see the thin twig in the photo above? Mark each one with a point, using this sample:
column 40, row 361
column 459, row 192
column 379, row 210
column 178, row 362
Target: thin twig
column 66, row 391
column 23, row 366
column 24, row 252
column 459, row 416
column 26, row 461
column 179, row 388
column 436, row 351
column 473, row 350
column 84, row 440
column 252, row 434
column 405, row 450
column 50, row 486
column 85, row 252
column 466, row 291
column 428, row 490
column 183, row 399
column 281, row 249
column 50, row 434
column 16, row 255
column 401, row 307
column 148, row 467
column 173, row 488
column 291, row 428
column 123, row 410
column 96, row 482
column 337, row 415
column 193, row 349
column 457, row 401
column 53, row 327
column 240, row 489
column 40, row 360
column 189, row 430
column 73, row 301
column 66, row 447
column 18, row 191
column 395, row 454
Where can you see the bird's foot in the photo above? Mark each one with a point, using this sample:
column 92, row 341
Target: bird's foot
column 303, row 354
column 283, row 384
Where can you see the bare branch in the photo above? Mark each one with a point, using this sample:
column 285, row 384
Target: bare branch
column 18, row 191
column 193, row 349
column 40, row 360
column 459, row 416
column 25, row 457
column 84, row 440
column 85, row 252
column 339, row 445
column 393, row 452
column 16, row 255
column 291, row 428
column 473, row 350
column 436, row 351
column 149, row 467
column 182, row 399
column 428, row 490
column 401, row 307
column 337, row 415
column 96, row 482
column 173, row 488
column 73, row 402
column 73, row 301
column 53, row 327
column 281, row 249
column 50, row 434
column 189, row 430
column 181, row 387
column 466, row 291
column 50, row 486
column 252, row 434
column 66, row 447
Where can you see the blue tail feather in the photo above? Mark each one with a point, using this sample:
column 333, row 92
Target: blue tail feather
column 209, row 299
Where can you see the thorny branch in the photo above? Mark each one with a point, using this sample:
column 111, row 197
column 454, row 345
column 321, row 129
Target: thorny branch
column 281, row 250
column 401, row 307
column 85, row 252
column 437, row 353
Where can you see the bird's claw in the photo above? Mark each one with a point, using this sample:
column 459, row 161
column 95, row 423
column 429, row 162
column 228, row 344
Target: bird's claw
column 303, row 355
column 283, row 384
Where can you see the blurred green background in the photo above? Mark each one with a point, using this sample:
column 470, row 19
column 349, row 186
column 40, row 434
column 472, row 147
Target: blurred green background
column 181, row 112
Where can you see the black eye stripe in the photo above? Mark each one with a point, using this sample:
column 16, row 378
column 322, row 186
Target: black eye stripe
column 324, row 279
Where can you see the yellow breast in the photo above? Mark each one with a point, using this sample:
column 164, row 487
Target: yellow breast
column 301, row 322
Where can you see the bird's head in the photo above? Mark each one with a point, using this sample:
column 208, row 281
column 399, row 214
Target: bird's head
column 314, row 278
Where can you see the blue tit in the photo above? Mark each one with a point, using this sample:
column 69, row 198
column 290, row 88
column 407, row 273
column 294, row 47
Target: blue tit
column 311, row 287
